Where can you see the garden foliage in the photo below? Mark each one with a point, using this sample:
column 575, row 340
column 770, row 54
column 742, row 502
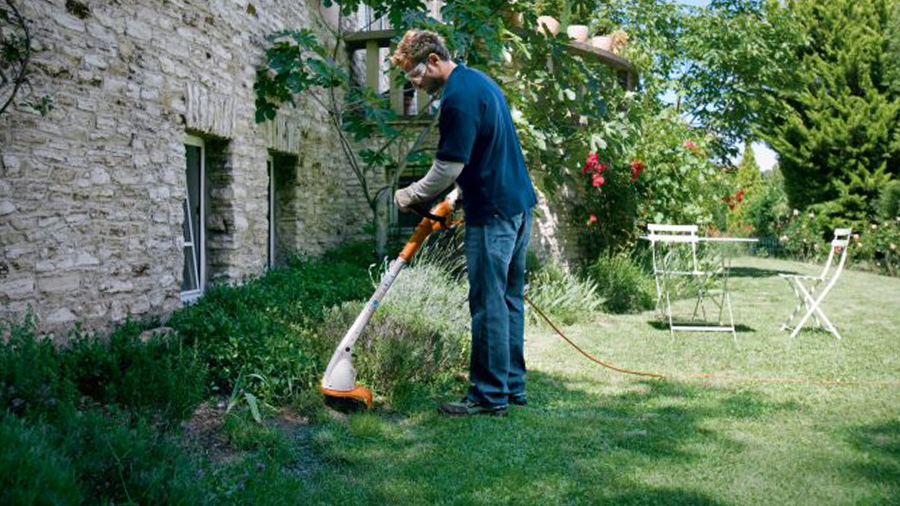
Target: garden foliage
column 264, row 327
column 95, row 420
column 624, row 283
column 564, row 297
column 39, row 380
column 837, row 134
column 88, row 422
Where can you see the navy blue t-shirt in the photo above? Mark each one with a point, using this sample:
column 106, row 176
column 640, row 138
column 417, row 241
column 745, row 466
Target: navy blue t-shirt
column 477, row 129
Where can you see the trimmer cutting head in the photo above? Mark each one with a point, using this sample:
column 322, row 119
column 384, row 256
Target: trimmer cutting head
column 361, row 394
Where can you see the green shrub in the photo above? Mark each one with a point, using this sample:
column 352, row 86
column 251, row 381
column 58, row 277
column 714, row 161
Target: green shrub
column 160, row 376
column 236, row 333
column 261, row 327
column 889, row 201
column 623, row 284
column 803, row 236
column 32, row 471
column 97, row 456
column 39, row 379
column 120, row 458
column 563, row 297
column 110, row 453
column 32, row 381
column 878, row 245
column 681, row 184
column 768, row 207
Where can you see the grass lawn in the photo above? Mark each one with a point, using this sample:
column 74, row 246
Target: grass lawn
column 592, row 436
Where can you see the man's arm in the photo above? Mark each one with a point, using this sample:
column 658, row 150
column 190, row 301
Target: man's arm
column 441, row 175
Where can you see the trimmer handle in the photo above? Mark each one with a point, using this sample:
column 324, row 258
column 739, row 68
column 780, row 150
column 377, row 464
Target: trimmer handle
column 424, row 211
column 438, row 218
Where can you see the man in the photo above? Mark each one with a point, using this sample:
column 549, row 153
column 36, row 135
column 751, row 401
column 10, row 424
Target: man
column 479, row 150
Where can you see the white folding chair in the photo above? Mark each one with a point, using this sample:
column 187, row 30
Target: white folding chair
column 690, row 267
column 805, row 287
column 669, row 234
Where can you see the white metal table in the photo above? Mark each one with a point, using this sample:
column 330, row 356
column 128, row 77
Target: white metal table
column 663, row 272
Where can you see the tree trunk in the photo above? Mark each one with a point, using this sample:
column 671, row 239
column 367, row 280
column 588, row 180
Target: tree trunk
column 382, row 223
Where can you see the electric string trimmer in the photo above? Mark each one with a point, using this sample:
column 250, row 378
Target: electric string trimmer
column 340, row 376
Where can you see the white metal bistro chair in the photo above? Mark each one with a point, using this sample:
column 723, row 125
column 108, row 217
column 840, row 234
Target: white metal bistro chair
column 666, row 266
column 805, row 287
column 669, row 234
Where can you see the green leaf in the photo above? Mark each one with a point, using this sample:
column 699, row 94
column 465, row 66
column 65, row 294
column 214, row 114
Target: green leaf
column 374, row 158
column 254, row 406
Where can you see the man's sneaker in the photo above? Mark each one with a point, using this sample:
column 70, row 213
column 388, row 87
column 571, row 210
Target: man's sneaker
column 518, row 400
column 466, row 407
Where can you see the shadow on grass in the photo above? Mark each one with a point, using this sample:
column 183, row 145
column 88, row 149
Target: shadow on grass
column 664, row 325
column 810, row 328
column 663, row 496
column 755, row 272
column 569, row 446
column 881, row 443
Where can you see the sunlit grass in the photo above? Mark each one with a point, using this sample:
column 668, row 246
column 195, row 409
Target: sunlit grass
column 811, row 420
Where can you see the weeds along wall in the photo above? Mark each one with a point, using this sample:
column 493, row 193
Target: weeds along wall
column 92, row 195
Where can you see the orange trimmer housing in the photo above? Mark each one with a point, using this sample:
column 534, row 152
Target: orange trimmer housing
column 438, row 219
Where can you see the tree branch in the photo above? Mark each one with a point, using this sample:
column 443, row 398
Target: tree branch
column 22, row 77
column 403, row 161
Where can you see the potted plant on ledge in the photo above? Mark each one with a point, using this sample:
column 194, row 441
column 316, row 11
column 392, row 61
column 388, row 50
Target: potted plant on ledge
column 577, row 11
column 609, row 37
column 545, row 21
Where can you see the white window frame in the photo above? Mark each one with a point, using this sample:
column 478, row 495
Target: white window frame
column 192, row 295
column 270, row 167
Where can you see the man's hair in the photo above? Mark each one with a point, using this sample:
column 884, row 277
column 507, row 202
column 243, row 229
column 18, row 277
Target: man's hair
column 416, row 45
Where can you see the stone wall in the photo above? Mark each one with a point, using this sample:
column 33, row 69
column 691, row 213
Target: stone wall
column 553, row 236
column 91, row 195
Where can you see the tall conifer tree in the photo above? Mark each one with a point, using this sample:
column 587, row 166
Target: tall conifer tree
column 839, row 132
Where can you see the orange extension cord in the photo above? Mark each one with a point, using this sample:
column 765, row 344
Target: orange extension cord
column 698, row 376
column 588, row 355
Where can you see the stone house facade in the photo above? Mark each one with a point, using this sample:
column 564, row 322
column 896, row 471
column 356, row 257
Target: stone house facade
column 150, row 179
column 154, row 121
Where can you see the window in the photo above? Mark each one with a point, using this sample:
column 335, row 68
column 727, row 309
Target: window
column 194, row 226
column 282, row 207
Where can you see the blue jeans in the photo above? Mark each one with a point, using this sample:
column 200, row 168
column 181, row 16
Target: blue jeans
column 495, row 257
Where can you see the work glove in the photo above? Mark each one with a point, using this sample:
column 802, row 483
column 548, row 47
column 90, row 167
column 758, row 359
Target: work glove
column 441, row 175
column 455, row 198
column 405, row 197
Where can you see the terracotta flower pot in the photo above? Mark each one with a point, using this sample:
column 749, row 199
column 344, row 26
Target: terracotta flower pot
column 578, row 32
column 602, row 42
column 549, row 25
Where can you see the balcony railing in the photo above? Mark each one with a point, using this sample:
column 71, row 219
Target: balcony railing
column 406, row 101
